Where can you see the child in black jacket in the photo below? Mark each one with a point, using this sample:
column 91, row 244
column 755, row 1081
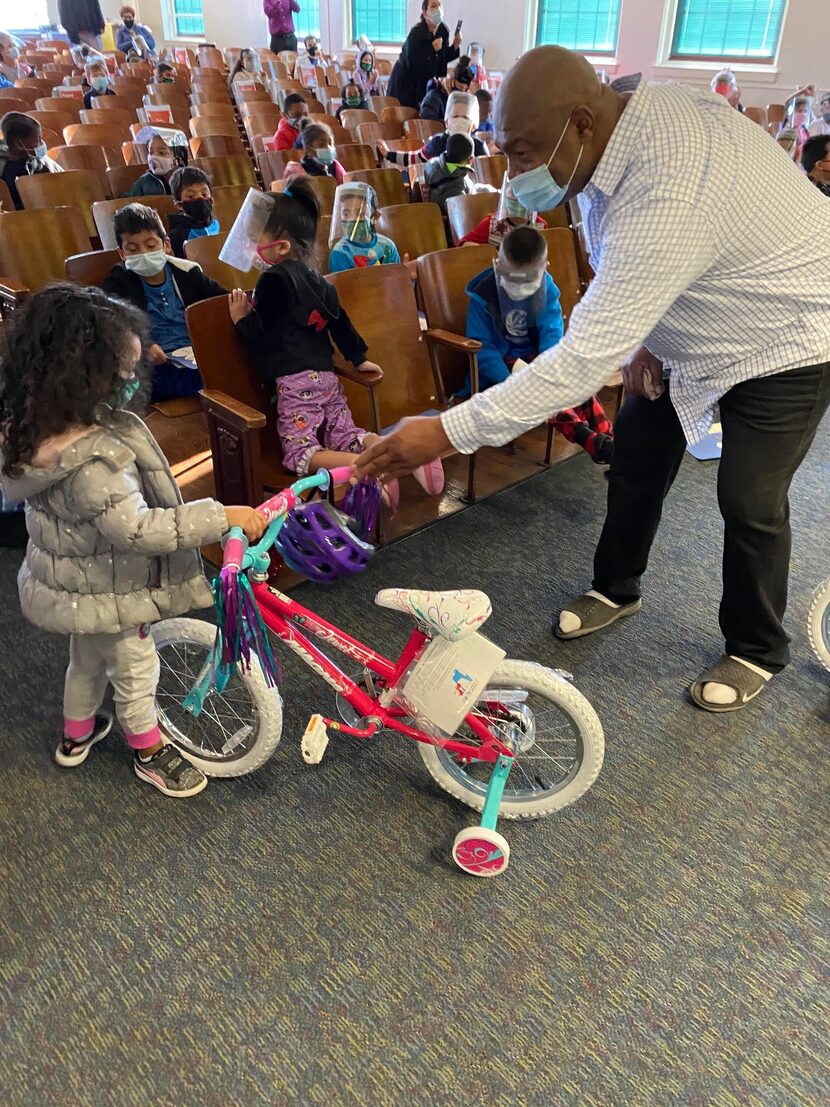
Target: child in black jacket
column 289, row 328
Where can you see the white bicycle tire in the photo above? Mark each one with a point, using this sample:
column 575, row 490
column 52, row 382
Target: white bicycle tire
column 817, row 623
column 571, row 701
column 267, row 700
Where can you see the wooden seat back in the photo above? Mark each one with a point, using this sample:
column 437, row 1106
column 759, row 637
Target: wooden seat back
column 466, row 212
column 98, row 159
column 387, row 183
column 378, row 104
column 354, row 156
column 352, row 118
column 442, row 279
column 63, row 104
column 54, row 120
column 212, row 125
column 121, row 179
column 127, row 101
column 224, row 360
column 34, row 244
column 416, row 229
column 423, row 128
column 94, row 118
column 324, row 189
column 490, row 170
column 216, row 146
column 26, row 96
column 273, row 162
column 78, row 188
column 227, row 200
column 380, row 302
column 398, row 115
column 205, row 252
column 563, row 267
column 92, row 267
column 371, row 133
column 6, row 202
column 219, row 109
column 228, row 169
column 110, row 135
column 104, row 211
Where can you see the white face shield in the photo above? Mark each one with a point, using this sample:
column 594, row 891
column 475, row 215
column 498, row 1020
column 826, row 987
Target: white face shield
column 464, row 105
column 246, row 234
column 355, row 205
column 510, row 208
column 522, row 295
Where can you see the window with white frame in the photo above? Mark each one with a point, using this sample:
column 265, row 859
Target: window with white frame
column 589, row 26
column 187, row 18
column 379, row 20
column 307, row 22
column 29, row 15
column 727, row 30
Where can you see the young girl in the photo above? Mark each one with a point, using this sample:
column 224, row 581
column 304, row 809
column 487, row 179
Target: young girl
column 112, row 548
column 351, row 97
column 318, row 158
column 355, row 242
column 366, row 75
column 246, row 68
column 166, row 152
column 289, row 329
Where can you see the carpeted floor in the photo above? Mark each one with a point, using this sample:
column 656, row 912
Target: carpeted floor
column 299, row 936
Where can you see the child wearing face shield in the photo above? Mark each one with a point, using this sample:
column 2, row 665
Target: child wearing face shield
column 461, row 117
column 289, row 329
column 356, row 243
column 515, row 314
column 510, row 213
column 166, row 152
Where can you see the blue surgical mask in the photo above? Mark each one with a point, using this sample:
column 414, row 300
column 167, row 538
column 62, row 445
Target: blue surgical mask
column 325, row 155
column 99, row 83
column 39, row 151
column 536, row 189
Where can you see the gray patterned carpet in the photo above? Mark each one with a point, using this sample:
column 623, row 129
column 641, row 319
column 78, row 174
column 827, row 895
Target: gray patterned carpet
column 300, row 937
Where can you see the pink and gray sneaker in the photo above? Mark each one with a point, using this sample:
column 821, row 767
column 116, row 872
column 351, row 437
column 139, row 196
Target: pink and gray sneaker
column 431, row 477
column 170, row 772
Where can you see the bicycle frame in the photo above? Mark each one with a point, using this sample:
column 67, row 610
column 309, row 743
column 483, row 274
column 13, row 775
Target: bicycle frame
column 285, row 617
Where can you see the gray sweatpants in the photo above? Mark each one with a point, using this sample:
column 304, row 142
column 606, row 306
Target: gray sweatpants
column 127, row 660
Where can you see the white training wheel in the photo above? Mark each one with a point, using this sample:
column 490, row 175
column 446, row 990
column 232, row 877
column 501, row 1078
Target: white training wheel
column 481, row 852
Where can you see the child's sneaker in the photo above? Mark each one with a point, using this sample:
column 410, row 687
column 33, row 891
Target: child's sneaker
column 390, row 494
column 170, row 772
column 431, row 477
column 70, row 753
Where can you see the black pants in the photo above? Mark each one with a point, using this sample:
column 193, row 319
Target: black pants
column 768, row 426
column 283, row 42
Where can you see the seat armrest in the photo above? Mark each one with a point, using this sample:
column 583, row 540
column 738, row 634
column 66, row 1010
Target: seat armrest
column 452, row 341
column 234, row 411
column 366, row 379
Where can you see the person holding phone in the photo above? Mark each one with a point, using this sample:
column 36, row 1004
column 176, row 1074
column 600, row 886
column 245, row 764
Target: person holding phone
column 425, row 55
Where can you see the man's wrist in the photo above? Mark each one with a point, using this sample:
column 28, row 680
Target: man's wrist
column 458, row 426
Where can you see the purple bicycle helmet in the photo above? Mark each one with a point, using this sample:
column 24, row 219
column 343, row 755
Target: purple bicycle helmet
column 318, row 541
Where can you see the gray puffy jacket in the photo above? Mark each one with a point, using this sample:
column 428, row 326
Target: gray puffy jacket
column 111, row 545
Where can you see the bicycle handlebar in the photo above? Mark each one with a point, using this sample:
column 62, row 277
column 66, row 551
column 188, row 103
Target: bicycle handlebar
column 238, row 555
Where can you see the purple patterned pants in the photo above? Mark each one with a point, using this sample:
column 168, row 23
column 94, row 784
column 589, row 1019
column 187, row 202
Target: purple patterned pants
column 312, row 415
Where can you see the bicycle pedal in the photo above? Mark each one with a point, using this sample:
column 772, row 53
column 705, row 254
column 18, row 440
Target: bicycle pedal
column 315, row 740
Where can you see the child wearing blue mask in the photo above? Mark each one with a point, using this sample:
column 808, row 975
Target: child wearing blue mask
column 22, row 152
column 162, row 286
column 98, row 81
column 319, row 155
column 190, row 188
column 356, row 243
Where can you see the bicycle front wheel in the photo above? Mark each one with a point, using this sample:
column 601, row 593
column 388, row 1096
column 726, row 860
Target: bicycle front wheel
column 238, row 729
column 818, row 624
column 554, row 733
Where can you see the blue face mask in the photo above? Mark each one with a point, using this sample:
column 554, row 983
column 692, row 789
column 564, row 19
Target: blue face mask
column 536, row 189
column 325, row 155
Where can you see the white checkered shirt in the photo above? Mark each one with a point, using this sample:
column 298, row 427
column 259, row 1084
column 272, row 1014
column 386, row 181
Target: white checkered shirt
column 710, row 247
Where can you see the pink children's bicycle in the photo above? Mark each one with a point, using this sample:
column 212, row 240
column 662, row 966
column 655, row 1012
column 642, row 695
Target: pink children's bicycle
column 506, row 737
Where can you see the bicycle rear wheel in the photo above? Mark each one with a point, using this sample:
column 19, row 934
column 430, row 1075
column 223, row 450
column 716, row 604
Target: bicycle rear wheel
column 818, row 623
column 237, row 729
column 555, row 735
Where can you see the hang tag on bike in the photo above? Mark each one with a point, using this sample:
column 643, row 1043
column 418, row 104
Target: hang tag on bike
column 450, row 677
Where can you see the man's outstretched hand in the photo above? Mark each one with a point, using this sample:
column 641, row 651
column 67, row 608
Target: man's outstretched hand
column 414, row 443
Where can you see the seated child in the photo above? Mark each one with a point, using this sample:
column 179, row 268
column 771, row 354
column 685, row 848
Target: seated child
column 510, row 213
column 318, row 155
column 460, row 117
column 485, row 111
column 247, row 68
column 288, row 131
column 356, row 242
column 22, row 152
column 451, row 174
column 99, row 82
column 162, row 286
column 166, row 152
column 514, row 313
column 289, row 330
column 190, row 188
column 112, row 548
column 165, row 74
column 352, row 97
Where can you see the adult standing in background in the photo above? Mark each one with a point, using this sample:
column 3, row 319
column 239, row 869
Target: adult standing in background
column 281, row 24
column 83, row 21
column 707, row 296
column 424, row 56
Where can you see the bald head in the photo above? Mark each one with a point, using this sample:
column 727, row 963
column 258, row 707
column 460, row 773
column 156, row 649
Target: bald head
column 550, row 96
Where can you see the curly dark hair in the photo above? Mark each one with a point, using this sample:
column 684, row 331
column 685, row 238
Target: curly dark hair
column 64, row 349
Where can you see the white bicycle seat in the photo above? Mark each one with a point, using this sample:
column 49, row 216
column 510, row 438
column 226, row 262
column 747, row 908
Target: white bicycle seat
column 453, row 615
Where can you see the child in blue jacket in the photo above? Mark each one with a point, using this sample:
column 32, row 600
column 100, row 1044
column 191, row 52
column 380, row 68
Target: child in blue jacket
column 514, row 313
